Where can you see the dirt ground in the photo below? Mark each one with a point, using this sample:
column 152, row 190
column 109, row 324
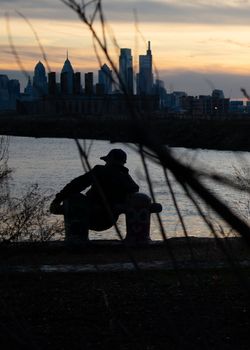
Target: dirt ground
column 187, row 308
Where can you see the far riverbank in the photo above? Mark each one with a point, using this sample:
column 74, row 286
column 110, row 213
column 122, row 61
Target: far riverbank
column 189, row 133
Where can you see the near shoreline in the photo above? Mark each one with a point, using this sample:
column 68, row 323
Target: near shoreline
column 191, row 253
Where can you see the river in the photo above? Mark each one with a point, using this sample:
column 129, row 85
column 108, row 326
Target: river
column 52, row 163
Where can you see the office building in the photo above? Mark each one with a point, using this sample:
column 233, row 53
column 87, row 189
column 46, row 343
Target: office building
column 160, row 91
column 145, row 76
column 67, row 78
column 52, row 88
column 126, row 71
column 219, row 94
column 40, row 85
column 77, row 87
column 9, row 92
column 28, row 90
column 105, row 79
column 89, row 83
column 237, row 107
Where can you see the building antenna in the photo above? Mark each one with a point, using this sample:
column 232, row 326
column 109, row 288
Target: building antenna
column 149, row 48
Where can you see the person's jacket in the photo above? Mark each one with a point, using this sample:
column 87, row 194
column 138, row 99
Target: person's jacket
column 110, row 182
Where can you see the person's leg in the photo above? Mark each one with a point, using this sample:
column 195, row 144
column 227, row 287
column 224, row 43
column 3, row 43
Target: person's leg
column 76, row 218
column 101, row 218
column 138, row 218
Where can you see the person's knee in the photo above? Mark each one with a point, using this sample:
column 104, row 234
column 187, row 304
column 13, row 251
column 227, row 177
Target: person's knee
column 76, row 206
column 74, row 198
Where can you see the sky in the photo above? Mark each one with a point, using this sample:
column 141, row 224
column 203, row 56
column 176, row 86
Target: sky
column 197, row 45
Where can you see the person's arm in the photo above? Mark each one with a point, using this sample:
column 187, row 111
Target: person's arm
column 132, row 186
column 77, row 185
column 126, row 184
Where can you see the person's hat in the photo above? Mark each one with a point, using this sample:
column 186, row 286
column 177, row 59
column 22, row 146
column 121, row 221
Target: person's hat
column 116, row 154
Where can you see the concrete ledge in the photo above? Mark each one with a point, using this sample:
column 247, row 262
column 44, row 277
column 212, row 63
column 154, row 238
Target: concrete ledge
column 105, row 243
column 121, row 267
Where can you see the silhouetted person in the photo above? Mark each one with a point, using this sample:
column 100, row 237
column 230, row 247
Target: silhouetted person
column 110, row 187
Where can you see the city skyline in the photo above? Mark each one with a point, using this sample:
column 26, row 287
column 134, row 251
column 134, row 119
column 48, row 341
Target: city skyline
column 131, row 82
column 197, row 45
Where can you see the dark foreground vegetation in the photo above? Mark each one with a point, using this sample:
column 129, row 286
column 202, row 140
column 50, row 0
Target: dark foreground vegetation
column 129, row 310
column 210, row 134
column 187, row 308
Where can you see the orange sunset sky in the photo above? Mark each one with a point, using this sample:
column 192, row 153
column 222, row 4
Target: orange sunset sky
column 196, row 45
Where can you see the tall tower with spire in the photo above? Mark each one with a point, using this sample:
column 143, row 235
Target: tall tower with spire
column 145, row 76
column 67, row 77
column 149, row 49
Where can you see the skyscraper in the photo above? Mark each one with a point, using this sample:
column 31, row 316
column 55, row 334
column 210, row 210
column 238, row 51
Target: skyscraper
column 77, row 88
column 52, row 83
column 145, row 77
column 126, row 70
column 28, row 90
column 67, row 77
column 9, row 92
column 40, row 85
column 105, row 79
column 89, row 83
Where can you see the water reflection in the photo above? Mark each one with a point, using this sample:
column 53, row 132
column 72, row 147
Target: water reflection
column 51, row 163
